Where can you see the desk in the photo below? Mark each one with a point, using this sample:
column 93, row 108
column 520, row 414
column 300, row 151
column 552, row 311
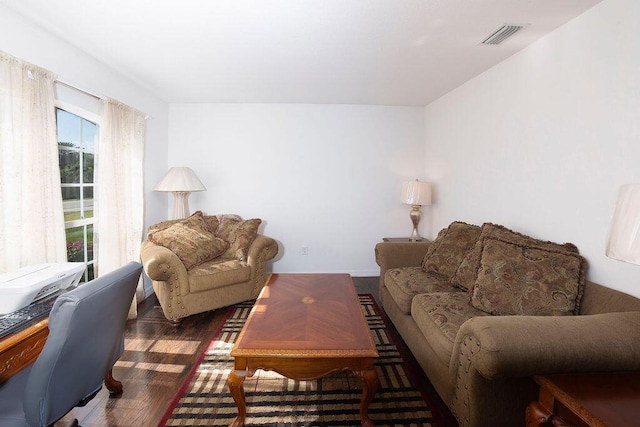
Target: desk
column 22, row 348
column 590, row 399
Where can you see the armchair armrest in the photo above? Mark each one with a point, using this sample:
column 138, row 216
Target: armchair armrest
column 262, row 249
column 516, row 346
column 162, row 265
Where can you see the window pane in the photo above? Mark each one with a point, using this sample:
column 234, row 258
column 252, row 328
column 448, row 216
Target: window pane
column 89, row 133
column 69, row 165
column 87, row 167
column 89, row 274
column 71, row 203
column 90, row 242
column 68, row 128
column 87, row 192
column 75, row 245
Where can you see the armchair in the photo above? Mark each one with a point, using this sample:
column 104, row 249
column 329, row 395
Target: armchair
column 205, row 262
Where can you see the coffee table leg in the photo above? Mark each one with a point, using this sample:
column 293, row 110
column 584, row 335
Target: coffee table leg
column 235, row 384
column 369, row 388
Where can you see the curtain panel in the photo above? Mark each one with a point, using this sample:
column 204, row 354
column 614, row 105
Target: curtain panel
column 120, row 193
column 31, row 211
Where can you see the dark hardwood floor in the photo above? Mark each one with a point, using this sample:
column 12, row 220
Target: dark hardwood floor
column 158, row 358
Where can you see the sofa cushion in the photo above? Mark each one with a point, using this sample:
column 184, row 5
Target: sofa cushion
column 465, row 275
column 439, row 317
column 447, row 251
column 191, row 240
column 516, row 279
column 241, row 235
column 404, row 283
column 218, row 273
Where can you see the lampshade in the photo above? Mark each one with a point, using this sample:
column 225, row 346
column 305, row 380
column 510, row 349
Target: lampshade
column 180, row 179
column 624, row 235
column 416, row 193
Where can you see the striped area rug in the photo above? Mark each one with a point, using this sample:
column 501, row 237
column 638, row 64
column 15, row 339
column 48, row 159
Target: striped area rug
column 273, row 400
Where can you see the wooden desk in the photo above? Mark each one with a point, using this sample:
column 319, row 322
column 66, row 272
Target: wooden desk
column 591, row 399
column 22, row 348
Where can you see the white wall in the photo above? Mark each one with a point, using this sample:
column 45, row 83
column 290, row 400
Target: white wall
column 542, row 141
column 22, row 39
column 323, row 176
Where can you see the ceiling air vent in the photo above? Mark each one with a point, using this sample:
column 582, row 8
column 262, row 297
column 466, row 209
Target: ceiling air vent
column 502, row 33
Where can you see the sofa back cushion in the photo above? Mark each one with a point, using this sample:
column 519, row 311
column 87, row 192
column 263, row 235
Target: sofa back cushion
column 518, row 279
column 449, row 248
column 465, row 275
column 240, row 237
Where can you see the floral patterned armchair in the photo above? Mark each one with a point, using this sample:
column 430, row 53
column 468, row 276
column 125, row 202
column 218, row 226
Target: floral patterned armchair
column 206, row 262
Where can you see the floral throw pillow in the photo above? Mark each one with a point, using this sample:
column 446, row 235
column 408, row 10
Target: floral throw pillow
column 465, row 276
column 191, row 241
column 241, row 235
column 446, row 252
column 515, row 279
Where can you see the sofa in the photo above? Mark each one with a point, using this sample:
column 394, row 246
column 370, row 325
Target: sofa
column 205, row 262
column 484, row 308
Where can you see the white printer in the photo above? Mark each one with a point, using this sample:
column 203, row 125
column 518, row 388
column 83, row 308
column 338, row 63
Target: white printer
column 22, row 287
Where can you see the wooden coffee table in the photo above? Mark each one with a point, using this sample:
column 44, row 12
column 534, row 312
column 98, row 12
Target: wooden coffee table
column 305, row 326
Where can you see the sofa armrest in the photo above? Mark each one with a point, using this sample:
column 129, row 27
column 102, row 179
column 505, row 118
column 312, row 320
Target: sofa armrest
column 399, row 254
column 516, row 346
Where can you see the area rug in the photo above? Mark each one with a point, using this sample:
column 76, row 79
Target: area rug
column 272, row 400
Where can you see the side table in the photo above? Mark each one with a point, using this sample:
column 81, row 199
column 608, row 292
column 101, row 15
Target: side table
column 607, row 399
column 401, row 239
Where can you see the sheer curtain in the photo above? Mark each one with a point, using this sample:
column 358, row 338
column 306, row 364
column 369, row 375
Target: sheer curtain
column 120, row 195
column 31, row 214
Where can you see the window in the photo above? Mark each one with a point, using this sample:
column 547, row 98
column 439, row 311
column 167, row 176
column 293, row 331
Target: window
column 77, row 139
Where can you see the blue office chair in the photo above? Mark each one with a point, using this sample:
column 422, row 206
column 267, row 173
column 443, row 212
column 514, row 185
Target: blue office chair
column 86, row 338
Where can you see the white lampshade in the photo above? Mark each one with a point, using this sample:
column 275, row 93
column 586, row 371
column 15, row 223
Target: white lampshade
column 416, row 193
column 180, row 179
column 624, row 235
column 181, row 182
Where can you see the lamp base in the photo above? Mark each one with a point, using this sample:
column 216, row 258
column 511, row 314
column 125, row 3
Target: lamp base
column 180, row 204
column 415, row 216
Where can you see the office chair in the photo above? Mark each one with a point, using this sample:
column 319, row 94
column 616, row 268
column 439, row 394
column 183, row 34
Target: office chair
column 86, row 338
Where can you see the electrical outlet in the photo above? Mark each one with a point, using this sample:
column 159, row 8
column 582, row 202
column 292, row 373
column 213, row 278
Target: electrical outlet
column 305, row 250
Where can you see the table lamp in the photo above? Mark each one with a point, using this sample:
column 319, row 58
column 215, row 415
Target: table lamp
column 624, row 235
column 181, row 181
column 416, row 194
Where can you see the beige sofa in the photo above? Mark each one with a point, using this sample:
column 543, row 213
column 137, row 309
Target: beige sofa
column 476, row 352
column 206, row 262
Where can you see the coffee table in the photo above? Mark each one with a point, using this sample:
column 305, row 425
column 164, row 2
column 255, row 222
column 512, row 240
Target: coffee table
column 305, row 326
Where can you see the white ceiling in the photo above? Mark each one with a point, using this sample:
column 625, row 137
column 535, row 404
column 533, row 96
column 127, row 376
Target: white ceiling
column 386, row 52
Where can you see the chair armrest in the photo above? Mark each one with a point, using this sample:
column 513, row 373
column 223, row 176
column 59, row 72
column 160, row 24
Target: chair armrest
column 516, row 346
column 262, row 248
column 160, row 263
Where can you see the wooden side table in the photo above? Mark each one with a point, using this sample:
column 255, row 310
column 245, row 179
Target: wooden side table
column 609, row 399
column 401, row 239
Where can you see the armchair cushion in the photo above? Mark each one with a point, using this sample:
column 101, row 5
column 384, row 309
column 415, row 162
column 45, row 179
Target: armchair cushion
column 517, row 279
column 191, row 240
column 449, row 248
